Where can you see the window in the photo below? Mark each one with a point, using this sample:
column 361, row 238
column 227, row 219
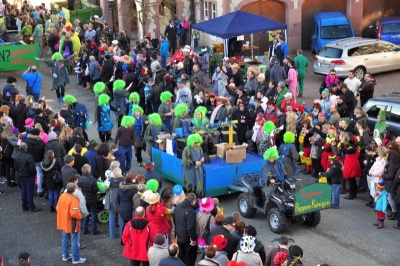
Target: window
column 374, row 111
column 330, row 52
column 395, row 114
column 391, row 28
column 336, row 32
column 205, row 10
column 213, row 10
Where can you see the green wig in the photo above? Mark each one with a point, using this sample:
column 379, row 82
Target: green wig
column 271, row 152
column 69, row 99
column 165, row 96
column 98, row 88
column 118, row 85
column 269, row 126
column 57, row 55
column 134, row 95
column 288, row 137
column 152, row 185
column 127, row 121
column 155, row 118
column 104, row 99
column 137, row 108
column 202, row 110
column 194, row 138
column 180, row 109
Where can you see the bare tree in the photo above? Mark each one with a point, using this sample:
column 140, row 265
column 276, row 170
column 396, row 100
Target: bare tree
column 145, row 10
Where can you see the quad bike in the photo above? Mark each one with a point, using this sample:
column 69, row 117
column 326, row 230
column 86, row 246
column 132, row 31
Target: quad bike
column 278, row 206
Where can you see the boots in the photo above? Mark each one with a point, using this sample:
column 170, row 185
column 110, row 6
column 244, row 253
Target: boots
column 392, row 216
column 343, row 187
column 52, row 209
column 381, row 224
column 376, row 223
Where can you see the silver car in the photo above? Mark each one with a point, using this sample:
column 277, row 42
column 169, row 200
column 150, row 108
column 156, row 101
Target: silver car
column 358, row 54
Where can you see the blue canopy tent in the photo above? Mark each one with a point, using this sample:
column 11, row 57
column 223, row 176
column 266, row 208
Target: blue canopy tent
column 235, row 24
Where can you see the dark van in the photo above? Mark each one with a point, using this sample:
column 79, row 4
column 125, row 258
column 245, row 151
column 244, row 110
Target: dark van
column 389, row 29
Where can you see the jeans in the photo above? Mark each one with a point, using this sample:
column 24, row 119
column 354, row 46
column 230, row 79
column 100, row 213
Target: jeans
column 53, row 197
column 74, row 245
column 128, row 158
column 39, row 177
column 60, row 90
column 27, row 185
column 335, row 194
column 92, row 208
column 155, row 107
column 163, row 61
column 122, row 223
column 112, row 224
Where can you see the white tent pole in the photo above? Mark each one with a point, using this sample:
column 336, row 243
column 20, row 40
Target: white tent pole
column 251, row 45
column 226, row 53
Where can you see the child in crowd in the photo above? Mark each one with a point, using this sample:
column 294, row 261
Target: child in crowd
column 334, row 174
column 380, row 204
column 118, row 155
column 220, row 210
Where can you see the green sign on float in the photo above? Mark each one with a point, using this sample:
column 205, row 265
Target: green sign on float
column 18, row 56
column 311, row 198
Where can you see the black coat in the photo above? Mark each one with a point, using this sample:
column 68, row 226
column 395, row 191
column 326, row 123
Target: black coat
column 391, row 168
column 24, row 165
column 79, row 162
column 48, row 167
column 185, row 222
column 154, row 94
column 335, row 174
column 102, row 166
column 35, row 147
column 88, row 185
column 66, row 171
column 58, row 148
column 126, row 191
column 230, row 248
column 42, row 122
column 349, row 100
column 107, row 71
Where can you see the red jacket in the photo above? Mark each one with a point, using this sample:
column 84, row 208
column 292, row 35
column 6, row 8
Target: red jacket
column 138, row 237
column 159, row 217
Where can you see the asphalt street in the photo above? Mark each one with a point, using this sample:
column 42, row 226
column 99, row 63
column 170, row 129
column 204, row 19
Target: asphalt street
column 345, row 236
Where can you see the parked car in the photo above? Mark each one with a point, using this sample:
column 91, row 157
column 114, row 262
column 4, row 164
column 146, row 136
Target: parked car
column 389, row 29
column 329, row 27
column 359, row 54
column 391, row 104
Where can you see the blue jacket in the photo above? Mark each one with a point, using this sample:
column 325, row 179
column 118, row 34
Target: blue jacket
column 30, row 78
column 164, row 48
column 381, row 201
column 285, row 49
column 11, row 90
column 91, row 156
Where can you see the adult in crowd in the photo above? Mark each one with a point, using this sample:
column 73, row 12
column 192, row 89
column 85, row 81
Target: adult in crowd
column 34, row 81
column 127, row 189
column 158, row 251
column 301, row 66
column 173, row 258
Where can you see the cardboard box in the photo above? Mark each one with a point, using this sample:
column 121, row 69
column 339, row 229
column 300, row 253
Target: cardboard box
column 221, row 149
column 243, row 148
column 235, row 156
column 162, row 143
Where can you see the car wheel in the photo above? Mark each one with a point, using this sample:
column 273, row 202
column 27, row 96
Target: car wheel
column 359, row 72
column 244, row 206
column 312, row 219
column 103, row 216
column 276, row 220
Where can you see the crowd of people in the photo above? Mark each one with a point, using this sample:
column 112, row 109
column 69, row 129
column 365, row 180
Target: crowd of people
column 141, row 97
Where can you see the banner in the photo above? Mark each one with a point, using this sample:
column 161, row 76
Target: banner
column 312, row 198
column 18, row 57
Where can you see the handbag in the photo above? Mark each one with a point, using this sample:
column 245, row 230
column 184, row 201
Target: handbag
column 29, row 89
column 56, row 176
column 206, row 231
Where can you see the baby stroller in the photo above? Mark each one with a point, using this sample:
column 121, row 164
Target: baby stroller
column 102, row 214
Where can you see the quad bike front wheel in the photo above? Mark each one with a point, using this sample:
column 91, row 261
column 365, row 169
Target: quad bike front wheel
column 276, row 220
column 244, row 206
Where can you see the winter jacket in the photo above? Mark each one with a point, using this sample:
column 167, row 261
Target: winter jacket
column 88, row 185
column 378, row 169
column 381, row 201
column 171, row 261
column 232, row 242
column 335, row 173
column 94, row 68
column 157, row 215
column 351, row 165
column 48, row 167
column 138, row 237
column 42, row 122
column 91, row 155
column 66, row 171
column 58, row 148
column 250, row 258
column 126, row 191
column 30, row 77
column 35, row 147
column 391, row 168
column 102, row 164
column 79, row 162
column 164, row 48
column 202, row 220
column 221, row 258
column 208, row 262
column 111, row 196
column 24, row 165
column 11, row 90
column 68, row 213
column 156, row 254
column 185, row 222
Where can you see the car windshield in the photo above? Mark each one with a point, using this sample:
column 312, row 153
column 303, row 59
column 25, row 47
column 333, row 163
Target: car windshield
column 336, row 32
column 391, row 28
column 330, row 52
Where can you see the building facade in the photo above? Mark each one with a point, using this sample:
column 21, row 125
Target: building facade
column 297, row 14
